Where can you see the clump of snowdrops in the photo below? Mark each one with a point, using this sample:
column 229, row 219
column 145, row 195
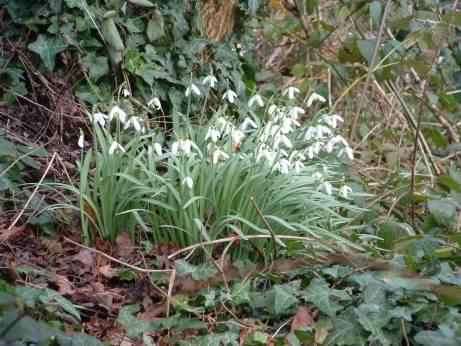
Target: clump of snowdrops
column 276, row 172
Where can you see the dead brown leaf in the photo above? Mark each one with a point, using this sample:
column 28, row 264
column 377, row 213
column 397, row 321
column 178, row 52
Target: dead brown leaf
column 64, row 285
column 7, row 234
column 304, row 318
column 124, row 246
column 107, row 271
column 85, row 257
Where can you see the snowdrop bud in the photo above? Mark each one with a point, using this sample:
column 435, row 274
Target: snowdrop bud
column 256, row 99
column 272, row 109
column 188, row 182
column 332, row 120
column 315, row 97
column 327, row 187
column 81, row 139
column 219, row 155
column 348, row 152
column 230, row 96
column 210, row 80
column 237, row 137
column 126, row 92
column 192, row 89
column 294, row 112
column 291, row 92
column 158, row 149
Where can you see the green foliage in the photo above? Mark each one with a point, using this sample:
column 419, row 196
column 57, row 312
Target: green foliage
column 21, row 306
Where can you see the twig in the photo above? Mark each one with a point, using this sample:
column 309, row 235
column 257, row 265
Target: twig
column 269, row 228
column 234, row 238
column 113, row 259
column 371, row 68
column 15, row 221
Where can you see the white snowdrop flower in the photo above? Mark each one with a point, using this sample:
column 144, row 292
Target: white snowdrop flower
column 115, row 147
column 348, row 152
column 265, row 153
column 284, row 140
column 155, row 103
column 213, row 134
column 126, row 92
column 287, row 125
column 188, row 182
column 315, row 97
column 230, row 96
column 327, row 187
column 158, row 149
column 100, row 118
column 223, row 125
column 323, row 131
column 310, row 133
column 332, row 120
column 294, row 112
column 283, row 166
column 219, row 155
column 248, row 122
column 210, row 80
column 272, row 109
column 184, row 146
column 291, row 92
column 117, row 113
column 237, row 137
column 135, row 122
column 345, row 191
column 81, row 139
column 317, row 176
column 298, row 166
column 256, row 99
column 314, row 149
column 192, row 89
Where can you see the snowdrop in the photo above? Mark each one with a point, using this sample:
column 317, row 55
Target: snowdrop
column 210, row 80
column 345, row 191
column 115, row 147
column 237, row 137
column 188, row 182
column 291, row 92
column 126, row 92
column 287, row 125
column 280, row 138
column 192, row 89
column 294, row 112
column 136, row 123
column 313, row 150
column 327, row 187
column 346, row 151
column 256, row 99
column 158, row 149
column 298, row 166
column 213, row 134
column 81, row 139
column 117, row 113
column 315, row 97
column 223, row 125
column 283, row 166
column 155, row 103
column 272, row 109
column 100, row 118
column 332, row 120
column 230, row 96
column 335, row 140
column 317, row 176
column 265, row 153
column 248, row 122
column 219, row 155
column 184, row 146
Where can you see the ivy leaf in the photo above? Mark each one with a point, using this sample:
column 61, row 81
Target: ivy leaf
column 345, row 331
column 443, row 211
column 97, row 66
column 322, row 296
column 366, row 48
column 444, row 336
column 283, row 299
column 47, row 48
column 201, row 272
column 374, row 318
